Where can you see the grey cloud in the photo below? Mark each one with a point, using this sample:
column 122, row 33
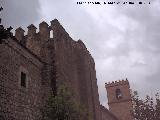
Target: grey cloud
column 144, row 41
column 20, row 12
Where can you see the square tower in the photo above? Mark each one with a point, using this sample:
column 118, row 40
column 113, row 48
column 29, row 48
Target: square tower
column 119, row 99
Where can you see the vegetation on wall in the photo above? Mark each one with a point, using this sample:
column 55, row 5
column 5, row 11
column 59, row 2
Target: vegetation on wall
column 64, row 107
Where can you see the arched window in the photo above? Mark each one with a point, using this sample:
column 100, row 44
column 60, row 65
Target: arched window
column 118, row 94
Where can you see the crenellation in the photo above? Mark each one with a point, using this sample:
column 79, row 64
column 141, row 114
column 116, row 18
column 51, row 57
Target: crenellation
column 31, row 30
column 82, row 47
column 19, row 34
column 48, row 62
column 119, row 99
column 58, row 31
column 44, row 24
column 44, row 31
column 115, row 83
column 81, row 44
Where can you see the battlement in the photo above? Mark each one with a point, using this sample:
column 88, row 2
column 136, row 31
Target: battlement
column 31, row 30
column 44, row 30
column 116, row 83
column 46, row 62
column 19, row 33
column 34, row 40
column 79, row 45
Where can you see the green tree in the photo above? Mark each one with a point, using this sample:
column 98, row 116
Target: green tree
column 63, row 106
column 146, row 109
column 4, row 33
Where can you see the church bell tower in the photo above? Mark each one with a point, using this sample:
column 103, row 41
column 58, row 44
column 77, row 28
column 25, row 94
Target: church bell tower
column 119, row 99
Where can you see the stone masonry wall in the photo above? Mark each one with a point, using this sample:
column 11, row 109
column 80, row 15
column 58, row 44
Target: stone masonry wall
column 76, row 66
column 16, row 102
column 120, row 107
column 106, row 114
column 39, row 55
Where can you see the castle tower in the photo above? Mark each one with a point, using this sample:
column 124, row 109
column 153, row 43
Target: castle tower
column 119, row 99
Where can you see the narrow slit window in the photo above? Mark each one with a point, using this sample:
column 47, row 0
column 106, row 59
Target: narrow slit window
column 118, row 94
column 23, row 79
column 51, row 34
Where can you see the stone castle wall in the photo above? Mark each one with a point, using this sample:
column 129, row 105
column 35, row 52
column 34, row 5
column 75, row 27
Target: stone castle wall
column 39, row 55
column 76, row 66
column 19, row 103
column 106, row 114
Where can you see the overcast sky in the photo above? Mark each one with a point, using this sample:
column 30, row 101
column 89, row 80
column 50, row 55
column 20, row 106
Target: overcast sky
column 123, row 39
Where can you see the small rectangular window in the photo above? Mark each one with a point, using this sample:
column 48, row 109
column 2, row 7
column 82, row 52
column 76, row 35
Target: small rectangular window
column 23, row 79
